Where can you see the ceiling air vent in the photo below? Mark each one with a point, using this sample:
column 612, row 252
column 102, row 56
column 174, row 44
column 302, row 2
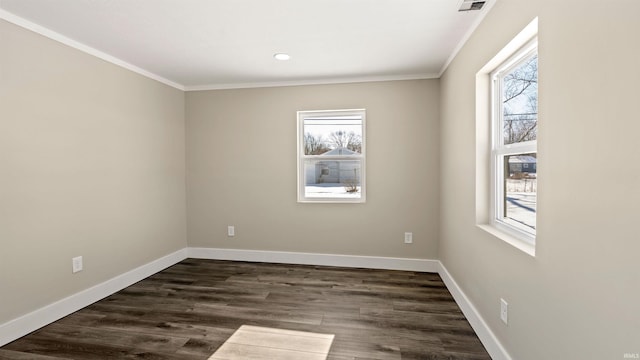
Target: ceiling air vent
column 468, row 5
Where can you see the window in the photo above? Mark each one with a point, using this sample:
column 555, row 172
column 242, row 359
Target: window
column 331, row 156
column 514, row 158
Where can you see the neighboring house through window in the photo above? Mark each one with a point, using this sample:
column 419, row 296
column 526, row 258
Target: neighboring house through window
column 507, row 142
column 331, row 156
column 514, row 143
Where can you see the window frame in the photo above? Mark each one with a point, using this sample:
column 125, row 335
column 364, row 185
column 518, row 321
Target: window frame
column 302, row 157
column 499, row 151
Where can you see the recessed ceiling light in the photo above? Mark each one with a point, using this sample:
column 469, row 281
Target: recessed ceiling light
column 282, row 56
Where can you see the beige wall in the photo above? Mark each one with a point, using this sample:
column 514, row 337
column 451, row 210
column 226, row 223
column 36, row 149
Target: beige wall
column 579, row 297
column 241, row 170
column 91, row 164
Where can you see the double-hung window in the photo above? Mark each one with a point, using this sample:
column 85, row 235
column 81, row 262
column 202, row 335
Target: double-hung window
column 331, row 156
column 514, row 144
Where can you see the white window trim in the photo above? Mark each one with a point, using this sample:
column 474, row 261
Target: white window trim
column 499, row 151
column 484, row 107
column 301, row 115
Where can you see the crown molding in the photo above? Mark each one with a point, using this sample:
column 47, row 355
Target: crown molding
column 487, row 7
column 41, row 30
column 327, row 81
column 38, row 29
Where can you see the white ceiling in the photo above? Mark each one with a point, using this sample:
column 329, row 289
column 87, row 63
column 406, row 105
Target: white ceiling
column 207, row 44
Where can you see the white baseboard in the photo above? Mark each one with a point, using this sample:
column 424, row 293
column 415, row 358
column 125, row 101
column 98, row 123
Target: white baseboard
column 352, row 261
column 28, row 323
column 34, row 320
column 486, row 336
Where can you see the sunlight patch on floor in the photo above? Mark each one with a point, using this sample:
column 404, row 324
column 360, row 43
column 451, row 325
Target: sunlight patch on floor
column 257, row 343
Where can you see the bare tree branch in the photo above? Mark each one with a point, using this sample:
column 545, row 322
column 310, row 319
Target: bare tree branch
column 343, row 139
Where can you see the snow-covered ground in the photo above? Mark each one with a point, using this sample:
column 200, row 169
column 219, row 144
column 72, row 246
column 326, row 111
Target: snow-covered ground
column 522, row 185
column 329, row 190
column 521, row 208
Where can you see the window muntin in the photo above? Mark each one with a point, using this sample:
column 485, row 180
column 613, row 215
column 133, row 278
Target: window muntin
column 331, row 156
column 514, row 150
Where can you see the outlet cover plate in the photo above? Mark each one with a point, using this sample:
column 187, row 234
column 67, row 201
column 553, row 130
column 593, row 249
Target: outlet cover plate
column 408, row 238
column 76, row 264
column 504, row 311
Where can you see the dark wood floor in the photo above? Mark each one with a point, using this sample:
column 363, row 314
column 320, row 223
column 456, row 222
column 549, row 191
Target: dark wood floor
column 188, row 310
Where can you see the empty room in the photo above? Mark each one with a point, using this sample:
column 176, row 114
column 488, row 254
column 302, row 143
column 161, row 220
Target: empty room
column 319, row 179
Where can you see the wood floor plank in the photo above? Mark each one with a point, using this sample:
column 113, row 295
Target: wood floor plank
column 189, row 310
column 19, row 355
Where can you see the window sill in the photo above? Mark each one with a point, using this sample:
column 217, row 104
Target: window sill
column 331, row 201
column 519, row 244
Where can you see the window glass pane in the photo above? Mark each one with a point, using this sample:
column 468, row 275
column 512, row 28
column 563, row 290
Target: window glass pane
column 520, row 102
column 331, row 156
column 520, row 189
column 332, row 178
column 337, row 135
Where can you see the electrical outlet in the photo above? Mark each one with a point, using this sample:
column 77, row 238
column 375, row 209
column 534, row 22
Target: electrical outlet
column 408, row 238
column 76, row 264
column 231, row 231
column 504, row 311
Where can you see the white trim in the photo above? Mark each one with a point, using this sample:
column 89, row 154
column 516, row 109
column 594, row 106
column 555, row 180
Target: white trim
column 525, row 36
column 499, row 150
column 34, row 320
column 302, row 116
column 283, row 257
column 486, row 336
column 504, row 234
column 485, row 10
column 328, row 81
column 38, row 29
column 485, row 154
column 24, row 23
